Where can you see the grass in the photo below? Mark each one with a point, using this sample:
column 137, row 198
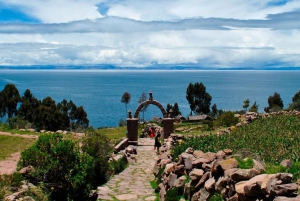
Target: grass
column 117, row 132
column 10, row 145
column 269, row 139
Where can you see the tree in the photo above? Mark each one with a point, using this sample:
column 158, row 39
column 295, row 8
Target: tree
column 295, row 105
column 126, row 99
column 174, row 108
column 198, row 98
column 28, row 106
column 254, row 107
column 275, row 103
column 142, row 99
column 246, row 104
column 10, row 98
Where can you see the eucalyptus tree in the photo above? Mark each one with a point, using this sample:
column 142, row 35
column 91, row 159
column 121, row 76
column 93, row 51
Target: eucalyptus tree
column 126, row 100
column 198, row 98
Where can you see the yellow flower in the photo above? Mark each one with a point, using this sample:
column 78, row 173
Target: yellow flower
column 52, row 188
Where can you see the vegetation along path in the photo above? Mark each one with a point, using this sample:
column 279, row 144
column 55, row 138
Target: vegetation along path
column 134, row 182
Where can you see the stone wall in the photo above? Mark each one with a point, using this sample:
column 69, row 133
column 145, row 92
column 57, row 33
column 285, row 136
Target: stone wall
column 201, row 175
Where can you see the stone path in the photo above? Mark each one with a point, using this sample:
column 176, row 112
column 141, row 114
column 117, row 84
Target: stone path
column 134, row 182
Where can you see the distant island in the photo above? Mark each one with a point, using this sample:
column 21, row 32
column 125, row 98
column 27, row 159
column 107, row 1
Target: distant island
column 153, row 67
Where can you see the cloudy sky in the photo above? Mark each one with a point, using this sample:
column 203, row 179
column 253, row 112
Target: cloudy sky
column 139, row 33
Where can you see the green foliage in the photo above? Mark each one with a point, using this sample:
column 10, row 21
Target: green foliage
column 295, row 105
column 115, row 167
column 122, row 123
column 9, row 99
column 60, row 166
column 198, row 98
column 254, row 107
column 275, row 103
column 273, row 139
column 246, row 104
column 295, row 169
column 173, row 194
column 226, row 119
column 245, row 164
column 174, row 108
column 97, row 146
column 216, row 197
column 126, row 100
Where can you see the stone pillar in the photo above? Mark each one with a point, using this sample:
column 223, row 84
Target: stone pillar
column 168, row 126
column 132, row 129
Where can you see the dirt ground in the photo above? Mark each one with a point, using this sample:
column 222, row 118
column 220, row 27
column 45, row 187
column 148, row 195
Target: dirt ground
column 9, row 165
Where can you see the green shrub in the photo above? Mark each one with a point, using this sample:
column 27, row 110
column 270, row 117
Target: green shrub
column 115, row 167
column 173, row 194
column 97, row 146
column 245, row 164
column 216, row 197
column 60, row 166
column 226, row 119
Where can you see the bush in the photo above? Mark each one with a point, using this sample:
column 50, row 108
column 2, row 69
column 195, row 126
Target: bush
column 226, row 119
column 60, row 166
column 173, row 194
column 97, row 146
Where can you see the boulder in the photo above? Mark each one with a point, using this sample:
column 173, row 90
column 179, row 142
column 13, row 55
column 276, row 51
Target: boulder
column 198, row 153
column 286, row 163
column 180, row 182
column 187, row 160
column 259, row 166
column 196, row 174
column 171, row 180
column 282, row 198
column 284, row 189
column 243, row 174
column 210, row 156
column 210, row 184
column 228, row 164
column 199, row 161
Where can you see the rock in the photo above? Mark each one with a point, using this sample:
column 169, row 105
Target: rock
column 228, row 172
column 127, row 197
column 210, row 156
column 284, row 189
column 239, row 188
column 221, row 184
column 203, row 179
column 169, row 168
column 286, row 163
column 103, row 190
column 228, row 164
column 10, row 198
column 131, row 149
column 196, row 174
column 243, row 174
column 282, row 198
column 30, row 130
column 268, row 179
column 27, row 170
column 234, row 198
column 201, row 195
column 171, row 180
column 210, row 184
column 187, row 160
column 180, row 182
column 227, row 151
column 165, row 162
column 65, row 132
column 220, row 154
column 59, row 131
column 252, row 187
column 187, row 191
column 199, row 161
column 198, row 153
column 189, row 150
column 259, row 166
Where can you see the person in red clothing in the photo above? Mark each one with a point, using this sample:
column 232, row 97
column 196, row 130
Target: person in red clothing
column 151, row 133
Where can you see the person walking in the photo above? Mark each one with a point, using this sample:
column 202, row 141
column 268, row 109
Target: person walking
column 152, row 133
column 157, row 143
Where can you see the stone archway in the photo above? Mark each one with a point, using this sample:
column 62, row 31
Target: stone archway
column 132, row 122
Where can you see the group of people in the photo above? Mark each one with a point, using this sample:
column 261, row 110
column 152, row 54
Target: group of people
column 157, row 143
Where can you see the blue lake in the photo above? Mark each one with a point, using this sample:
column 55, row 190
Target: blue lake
column 100, row 91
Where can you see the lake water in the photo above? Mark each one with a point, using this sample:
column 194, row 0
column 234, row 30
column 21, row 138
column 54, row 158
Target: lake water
column 100, row 91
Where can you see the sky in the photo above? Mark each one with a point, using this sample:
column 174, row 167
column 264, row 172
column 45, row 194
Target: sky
column 141, row 33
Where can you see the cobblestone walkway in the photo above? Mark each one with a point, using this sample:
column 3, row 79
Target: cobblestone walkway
column 134, row 182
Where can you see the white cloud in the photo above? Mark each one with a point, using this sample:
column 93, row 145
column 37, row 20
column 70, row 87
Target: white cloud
column 231, row 33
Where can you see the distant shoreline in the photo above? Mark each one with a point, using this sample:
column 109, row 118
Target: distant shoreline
column 157, row 68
